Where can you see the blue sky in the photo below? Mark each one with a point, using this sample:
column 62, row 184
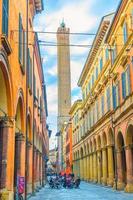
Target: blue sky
column 79, row 16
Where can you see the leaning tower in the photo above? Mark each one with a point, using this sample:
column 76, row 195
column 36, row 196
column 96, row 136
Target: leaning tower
column 64, row 81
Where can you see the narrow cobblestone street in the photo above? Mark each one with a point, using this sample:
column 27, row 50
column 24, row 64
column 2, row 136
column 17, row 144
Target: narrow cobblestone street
column 86, row 192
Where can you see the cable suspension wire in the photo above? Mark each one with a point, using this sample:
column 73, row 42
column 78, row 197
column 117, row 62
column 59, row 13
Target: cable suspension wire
column 54, row 32
column 65, row 33
column 52, row 44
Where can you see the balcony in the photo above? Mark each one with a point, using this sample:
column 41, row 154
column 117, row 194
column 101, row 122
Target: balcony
column 5, row 44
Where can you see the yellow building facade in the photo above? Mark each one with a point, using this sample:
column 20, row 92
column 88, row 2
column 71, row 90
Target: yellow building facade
column 23, row 108
column 105, row 150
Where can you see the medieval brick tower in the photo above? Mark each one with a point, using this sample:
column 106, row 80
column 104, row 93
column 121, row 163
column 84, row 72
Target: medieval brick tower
column 64, row 81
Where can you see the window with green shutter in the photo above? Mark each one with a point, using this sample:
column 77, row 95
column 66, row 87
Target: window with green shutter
column 128, row 80
column 96, row 73
column 124, row 85
column 34, row 86
column 107, row 54
column 5, row 11
column 108, row 98
column 114, row 53
column 21, row 45
column 102, row 105
column 101, row 64
column 20, row 40
column 29, row 72
column 115, row 95
column 125, row 34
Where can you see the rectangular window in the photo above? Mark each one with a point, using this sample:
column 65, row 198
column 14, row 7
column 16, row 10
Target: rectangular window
column 21, row 44
column 83, row 95
column 101, row 64
column 30, row 72
column 96, row 73
column 92, row 80
column 5, row 11
column 124, row 85
column 131, row 17
column 97, row 110
column 102, row 105
column 107, row 54
column 114, row 53
column 125, row 34
column 86, row 92
column 108, row 98
column 20, row 40
column 126, row 81
column 88, row 119
column 34, row 86
column 89, row 88
column 115, row 95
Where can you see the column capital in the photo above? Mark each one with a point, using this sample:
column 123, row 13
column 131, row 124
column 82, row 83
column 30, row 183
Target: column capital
column 20, row 136
column 128, row 147
column 28, row 143
column 98, row 150
column 118, row 150
column 7, row 121
column 104, row 148
column 110, row 145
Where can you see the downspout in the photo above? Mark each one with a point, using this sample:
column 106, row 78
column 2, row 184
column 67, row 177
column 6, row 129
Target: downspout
column 33, row 161
column 114, row 149
column 26, row 122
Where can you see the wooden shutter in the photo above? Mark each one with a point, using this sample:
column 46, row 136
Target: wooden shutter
column 114, row 97
column 128, row 79
column 20, row 45
column 5, row 10
column 123, row 85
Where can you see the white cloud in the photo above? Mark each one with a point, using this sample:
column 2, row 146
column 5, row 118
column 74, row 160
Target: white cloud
column 52, row 99
column 76, row 68
column 78, row 17
column 52, row 71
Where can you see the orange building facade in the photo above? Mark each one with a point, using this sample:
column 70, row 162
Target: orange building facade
column 23, row 105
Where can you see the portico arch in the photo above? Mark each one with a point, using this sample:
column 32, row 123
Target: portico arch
column 129, row 157
column 19, row 140
column 6, row 123
column 121, row 161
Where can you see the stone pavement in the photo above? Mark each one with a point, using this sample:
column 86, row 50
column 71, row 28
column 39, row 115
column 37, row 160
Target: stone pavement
column 87, row 191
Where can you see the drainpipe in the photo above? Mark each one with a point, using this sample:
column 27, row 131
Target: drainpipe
column 114, row 150
column 26, row 122
column 33, row 173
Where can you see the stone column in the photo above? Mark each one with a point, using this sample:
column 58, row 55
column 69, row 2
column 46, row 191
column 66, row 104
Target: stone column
column 104, row 166
column 78, row 167
column 84, row 160
column 88, row 167
column 95, row 166
column 81, row 168
column 29, row 167
column 74, row 171
column 110, row 165
column 35, row 168
column 120, row 183
column 40, row 168
column 99, row 165
column 129, row 164
column 91, row 167
column 6, row 156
